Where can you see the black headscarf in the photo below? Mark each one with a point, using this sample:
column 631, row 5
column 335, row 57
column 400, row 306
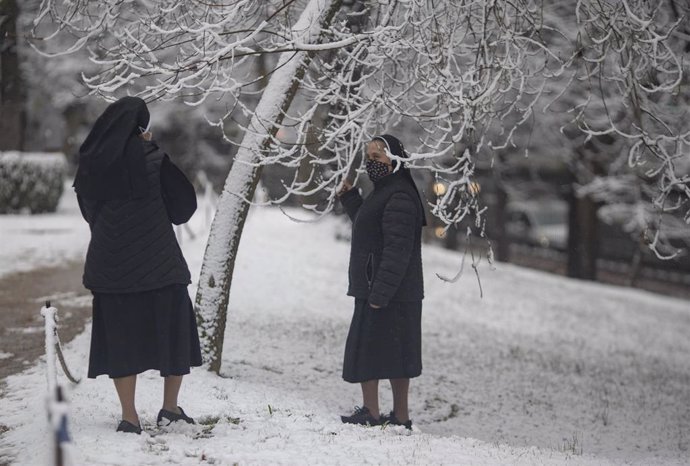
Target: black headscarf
column 396, row 148
column 111, row 159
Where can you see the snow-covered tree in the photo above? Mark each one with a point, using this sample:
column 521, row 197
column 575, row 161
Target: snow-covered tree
column 616, row 116
column 458, row 78
column 634, row 61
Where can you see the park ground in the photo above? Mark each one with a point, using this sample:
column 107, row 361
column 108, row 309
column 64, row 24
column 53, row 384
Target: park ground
column 540, row 370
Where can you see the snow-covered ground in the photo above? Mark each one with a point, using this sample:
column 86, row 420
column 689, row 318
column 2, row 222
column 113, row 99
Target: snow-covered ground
column 29, row 241
column 542, row 370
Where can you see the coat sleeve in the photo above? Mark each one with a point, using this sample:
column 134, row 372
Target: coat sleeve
column 84, row 208
column 178, row 193
column 89, row 209
column 352, row 201
column 399, row 225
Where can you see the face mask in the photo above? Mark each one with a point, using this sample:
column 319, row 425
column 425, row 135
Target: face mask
column 376, row 170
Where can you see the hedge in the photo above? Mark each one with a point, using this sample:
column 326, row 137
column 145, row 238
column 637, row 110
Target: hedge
column 31, row 181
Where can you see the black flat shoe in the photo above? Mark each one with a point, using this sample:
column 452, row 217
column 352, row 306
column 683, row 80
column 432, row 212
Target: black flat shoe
column 128, row 427
column 393, row 421
column 362, row 416
column 169, row 416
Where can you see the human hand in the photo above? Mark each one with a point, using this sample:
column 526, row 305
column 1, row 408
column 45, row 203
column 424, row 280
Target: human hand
column 345, row 187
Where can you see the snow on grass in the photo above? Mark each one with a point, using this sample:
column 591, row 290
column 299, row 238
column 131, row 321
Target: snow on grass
column 31, row 241
column 542, row 370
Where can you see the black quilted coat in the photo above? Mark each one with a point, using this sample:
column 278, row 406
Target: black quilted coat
column 133, row 246
column 385, row 255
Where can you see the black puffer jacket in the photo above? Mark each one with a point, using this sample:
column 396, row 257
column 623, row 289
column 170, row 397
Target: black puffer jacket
column 133, row 246
column 386, row 250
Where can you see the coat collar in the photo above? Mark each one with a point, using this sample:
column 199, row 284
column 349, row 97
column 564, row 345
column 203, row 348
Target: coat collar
column 387, row 180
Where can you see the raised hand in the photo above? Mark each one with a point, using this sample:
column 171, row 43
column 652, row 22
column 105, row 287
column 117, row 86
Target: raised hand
column 345, row 187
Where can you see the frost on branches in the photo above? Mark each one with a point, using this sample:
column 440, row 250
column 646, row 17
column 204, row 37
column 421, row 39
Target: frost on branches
column 625, row 109
column 461, row 79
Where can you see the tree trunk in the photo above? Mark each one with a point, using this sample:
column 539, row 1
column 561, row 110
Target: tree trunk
column 74, row 118
column 12, row 117
column 502, row 249
column 583, row 240
column 589, row 222
column 573, row 268
column 221, row 251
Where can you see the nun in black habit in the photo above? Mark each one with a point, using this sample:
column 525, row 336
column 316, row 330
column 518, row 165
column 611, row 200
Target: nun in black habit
column 131, row 193
column 385, row 278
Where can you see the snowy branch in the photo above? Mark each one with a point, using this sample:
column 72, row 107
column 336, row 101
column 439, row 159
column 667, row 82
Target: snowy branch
column 462, row 80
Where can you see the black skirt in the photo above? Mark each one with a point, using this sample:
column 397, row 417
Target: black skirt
column 135, row 332
column 384, row 343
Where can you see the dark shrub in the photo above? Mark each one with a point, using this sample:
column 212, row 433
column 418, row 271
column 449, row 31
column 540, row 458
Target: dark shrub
column 31, row 181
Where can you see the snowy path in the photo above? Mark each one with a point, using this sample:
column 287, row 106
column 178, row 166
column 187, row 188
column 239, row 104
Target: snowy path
column 537, row 371
column 22, row 294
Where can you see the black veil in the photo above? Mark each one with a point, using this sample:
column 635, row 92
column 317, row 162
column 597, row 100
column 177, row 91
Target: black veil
column 396, row 148
column 111, row 159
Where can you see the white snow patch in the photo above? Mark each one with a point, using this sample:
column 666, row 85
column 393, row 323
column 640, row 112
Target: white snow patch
column 32, row 241
column 25, row 329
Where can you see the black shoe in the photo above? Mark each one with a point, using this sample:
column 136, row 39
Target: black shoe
column 393, row 421
column 361, row 416
column 170, row 417
column 128, row 427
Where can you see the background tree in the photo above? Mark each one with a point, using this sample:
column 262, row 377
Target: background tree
column 12, row 92
column 621, row 94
